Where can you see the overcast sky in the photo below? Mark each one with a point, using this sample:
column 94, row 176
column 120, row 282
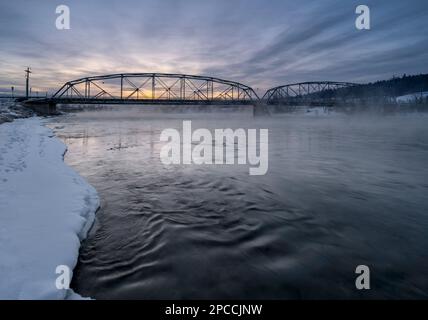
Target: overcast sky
column 260, row 43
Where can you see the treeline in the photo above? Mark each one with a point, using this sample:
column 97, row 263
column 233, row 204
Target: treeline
column 385, row 89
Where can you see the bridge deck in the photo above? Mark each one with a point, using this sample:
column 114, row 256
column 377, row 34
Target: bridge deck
column 54, row 101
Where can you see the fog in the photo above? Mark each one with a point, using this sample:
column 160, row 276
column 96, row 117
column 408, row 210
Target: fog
column 341, row 190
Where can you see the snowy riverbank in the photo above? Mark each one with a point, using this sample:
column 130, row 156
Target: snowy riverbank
column 46, row 209
column 10, row 110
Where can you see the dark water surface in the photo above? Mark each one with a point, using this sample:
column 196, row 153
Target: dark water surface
column 340, row 191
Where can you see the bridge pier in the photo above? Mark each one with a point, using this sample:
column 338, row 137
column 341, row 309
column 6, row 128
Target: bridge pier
column 43, row 108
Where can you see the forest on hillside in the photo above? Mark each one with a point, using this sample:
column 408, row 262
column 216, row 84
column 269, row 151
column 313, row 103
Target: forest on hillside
column 385, row 89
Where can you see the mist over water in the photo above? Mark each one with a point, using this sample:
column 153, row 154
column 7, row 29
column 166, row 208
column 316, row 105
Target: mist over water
column 340, row 191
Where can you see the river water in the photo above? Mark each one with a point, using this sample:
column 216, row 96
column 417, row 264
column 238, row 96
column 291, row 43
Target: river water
column 340, row 191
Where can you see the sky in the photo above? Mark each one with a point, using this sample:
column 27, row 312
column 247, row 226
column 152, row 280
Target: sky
column 260, row 43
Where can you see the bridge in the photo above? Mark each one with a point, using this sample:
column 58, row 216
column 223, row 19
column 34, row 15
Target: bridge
column 154, row 88
column 310, row 93
column 183, row 89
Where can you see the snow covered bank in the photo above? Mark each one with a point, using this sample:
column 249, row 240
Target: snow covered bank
column 46, row 209
column 409, row 98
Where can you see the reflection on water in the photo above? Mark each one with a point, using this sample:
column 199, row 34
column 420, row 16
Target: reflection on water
column 340, row 192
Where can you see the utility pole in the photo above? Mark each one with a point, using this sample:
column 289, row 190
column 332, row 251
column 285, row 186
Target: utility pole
column 27, row 80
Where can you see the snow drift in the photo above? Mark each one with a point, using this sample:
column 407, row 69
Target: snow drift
column 46, row 209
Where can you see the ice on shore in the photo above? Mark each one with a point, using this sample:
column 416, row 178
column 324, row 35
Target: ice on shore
column 408, row 98
column 46, row 209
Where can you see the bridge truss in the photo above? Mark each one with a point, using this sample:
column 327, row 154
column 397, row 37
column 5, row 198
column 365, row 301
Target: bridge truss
column 162, row 88
column 305, row 92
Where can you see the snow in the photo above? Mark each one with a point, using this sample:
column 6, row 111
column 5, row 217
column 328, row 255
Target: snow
column 46, row 209
column 10, row 110
column 412, row 97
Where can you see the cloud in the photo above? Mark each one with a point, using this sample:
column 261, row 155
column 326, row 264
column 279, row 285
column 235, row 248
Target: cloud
column 259, row 43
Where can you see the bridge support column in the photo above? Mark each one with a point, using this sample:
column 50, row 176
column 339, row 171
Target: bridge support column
column 153, row 86
column 121, row 86
column 42, row 108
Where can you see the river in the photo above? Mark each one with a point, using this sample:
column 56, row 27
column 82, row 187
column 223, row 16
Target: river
column 340, row 191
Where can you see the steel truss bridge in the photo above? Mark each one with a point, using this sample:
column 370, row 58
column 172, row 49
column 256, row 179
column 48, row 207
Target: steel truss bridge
column 183, row 89
column 153, row 88
column 319, row 92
